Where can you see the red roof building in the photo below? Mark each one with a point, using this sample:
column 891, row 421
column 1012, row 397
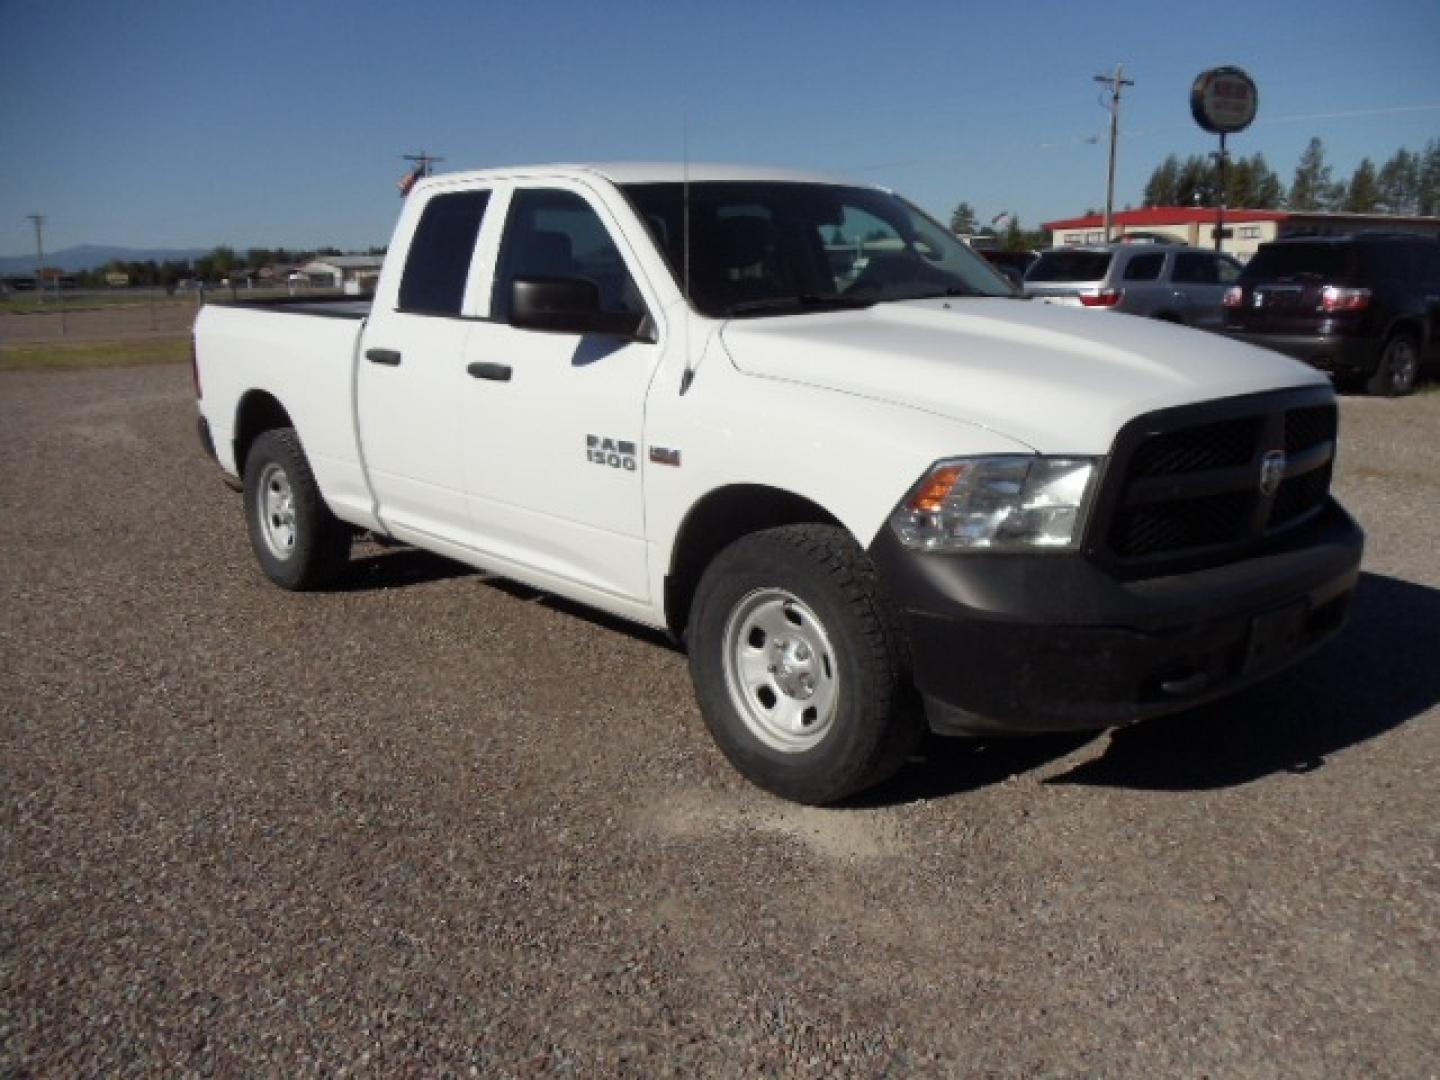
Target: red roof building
column 1245, row 230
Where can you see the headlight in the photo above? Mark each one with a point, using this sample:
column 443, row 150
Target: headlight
column 997, row 503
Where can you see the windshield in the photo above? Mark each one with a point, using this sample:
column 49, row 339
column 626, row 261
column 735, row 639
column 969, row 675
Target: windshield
column 1301, row 262
column 774, row 248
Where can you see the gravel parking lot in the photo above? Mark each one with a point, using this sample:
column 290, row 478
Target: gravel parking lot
column 434, row 823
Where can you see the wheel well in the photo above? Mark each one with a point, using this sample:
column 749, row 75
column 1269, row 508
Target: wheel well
column 1411, row 327
column 717, row 521
column 259, row 412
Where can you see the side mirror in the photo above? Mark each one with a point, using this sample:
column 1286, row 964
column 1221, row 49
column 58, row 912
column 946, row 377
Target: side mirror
column 566, row 305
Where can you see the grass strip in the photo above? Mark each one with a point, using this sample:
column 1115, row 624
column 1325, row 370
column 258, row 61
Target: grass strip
column 87, row 354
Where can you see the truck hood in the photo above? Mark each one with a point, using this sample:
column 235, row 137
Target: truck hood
column 1057, row 380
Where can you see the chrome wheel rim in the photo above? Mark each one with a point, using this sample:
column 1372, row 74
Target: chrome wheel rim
column 780, row 670
column 277, row 511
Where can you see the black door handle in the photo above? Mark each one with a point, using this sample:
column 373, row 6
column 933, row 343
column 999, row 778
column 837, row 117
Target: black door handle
column 388, row 357
column 497, row 372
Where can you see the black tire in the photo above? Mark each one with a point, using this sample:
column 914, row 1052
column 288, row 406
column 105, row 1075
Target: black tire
column 1399, row 366
column 819, row 590
column 300, row 544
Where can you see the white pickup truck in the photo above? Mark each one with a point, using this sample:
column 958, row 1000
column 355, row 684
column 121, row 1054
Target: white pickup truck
column 795, row 423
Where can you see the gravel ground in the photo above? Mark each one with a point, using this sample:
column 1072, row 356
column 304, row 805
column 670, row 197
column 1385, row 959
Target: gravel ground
column 432, row 823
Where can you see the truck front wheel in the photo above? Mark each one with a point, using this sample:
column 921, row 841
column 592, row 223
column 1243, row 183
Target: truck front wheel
column 300, row 544
column 799, row 667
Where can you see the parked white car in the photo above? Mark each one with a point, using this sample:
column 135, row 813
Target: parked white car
column 795, row 423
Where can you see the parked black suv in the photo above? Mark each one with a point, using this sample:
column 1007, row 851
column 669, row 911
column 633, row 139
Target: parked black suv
column 1364, row 307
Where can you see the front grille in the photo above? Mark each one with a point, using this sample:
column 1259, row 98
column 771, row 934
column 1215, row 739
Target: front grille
column 1298, row 496
column 1309, row 427
column 1210, row 446
column 1161, row 527
column 1187, row 483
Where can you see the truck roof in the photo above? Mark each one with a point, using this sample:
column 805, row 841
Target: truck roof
column 645, row 172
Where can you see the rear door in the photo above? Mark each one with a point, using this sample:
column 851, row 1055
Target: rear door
column 411, row 373
column 1199, row 282
column 554, row 423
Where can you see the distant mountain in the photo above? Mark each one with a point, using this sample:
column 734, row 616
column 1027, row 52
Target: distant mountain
column 90, row 256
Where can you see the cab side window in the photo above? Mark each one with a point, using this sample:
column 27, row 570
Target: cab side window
column 553, row 233
column 440, row 252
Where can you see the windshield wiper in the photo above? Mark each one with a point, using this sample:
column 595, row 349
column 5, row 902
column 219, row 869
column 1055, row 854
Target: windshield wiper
column 949, row 291
column 803, row 302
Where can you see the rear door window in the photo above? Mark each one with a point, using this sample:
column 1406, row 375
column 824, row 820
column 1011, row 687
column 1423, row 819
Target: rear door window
column 440, row 251
column 1144, row 267
column 1070, row 266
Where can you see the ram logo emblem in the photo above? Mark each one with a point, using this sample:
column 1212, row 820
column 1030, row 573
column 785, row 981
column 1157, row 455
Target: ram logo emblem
column 1272, row 471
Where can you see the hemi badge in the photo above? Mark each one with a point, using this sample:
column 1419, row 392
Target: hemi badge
column 663, row 455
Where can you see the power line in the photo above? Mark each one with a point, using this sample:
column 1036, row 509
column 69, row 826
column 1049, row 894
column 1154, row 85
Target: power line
column 1115, row 83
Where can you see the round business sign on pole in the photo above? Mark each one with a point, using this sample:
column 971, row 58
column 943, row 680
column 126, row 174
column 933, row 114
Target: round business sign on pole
column 1223, row 100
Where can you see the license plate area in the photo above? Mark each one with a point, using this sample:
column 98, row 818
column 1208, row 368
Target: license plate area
column 1275, row 635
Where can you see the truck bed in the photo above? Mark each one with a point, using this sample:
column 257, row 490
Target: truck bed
column 329, row 307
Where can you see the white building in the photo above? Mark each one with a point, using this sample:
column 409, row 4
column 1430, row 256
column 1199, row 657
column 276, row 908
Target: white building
column 1245, row 230
column 352, row 274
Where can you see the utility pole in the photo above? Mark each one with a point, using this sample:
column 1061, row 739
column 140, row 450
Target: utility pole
column 1114, row 83
column 1221, row 157
column 39, row 220
column 423, row 162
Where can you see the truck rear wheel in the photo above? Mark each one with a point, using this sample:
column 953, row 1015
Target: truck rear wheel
column 799, row 667
column 300, row 544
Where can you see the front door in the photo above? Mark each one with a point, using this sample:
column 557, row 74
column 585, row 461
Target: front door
column 553, row 423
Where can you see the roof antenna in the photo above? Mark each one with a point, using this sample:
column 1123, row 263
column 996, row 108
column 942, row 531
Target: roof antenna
column 688, row 375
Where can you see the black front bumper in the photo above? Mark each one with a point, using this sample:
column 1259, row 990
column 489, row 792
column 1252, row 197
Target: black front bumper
column 1052, row 642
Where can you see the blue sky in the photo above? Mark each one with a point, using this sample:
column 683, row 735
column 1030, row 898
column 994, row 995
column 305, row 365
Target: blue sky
column 159, row 124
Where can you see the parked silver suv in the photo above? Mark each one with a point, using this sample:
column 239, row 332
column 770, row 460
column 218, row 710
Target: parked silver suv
column 1174, row 282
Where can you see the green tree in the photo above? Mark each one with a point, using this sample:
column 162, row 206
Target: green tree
column 1239, row 182
column 1195, row 182
column 1252, row 184
column 1362, row 196
column 1311, row 188
column 1269, row 193
column 1160, row 188
column 962, row 220
column 223, row 261
column 1399, row 182
column 1427, row 198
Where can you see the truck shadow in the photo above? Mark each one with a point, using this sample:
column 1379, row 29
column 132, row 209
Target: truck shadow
column 399, row 566
column 1383, row 671
column 395, row 568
